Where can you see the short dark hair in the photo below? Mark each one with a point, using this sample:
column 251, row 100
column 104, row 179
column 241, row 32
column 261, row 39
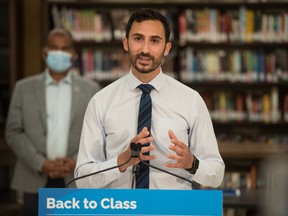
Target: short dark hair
column 148, row 14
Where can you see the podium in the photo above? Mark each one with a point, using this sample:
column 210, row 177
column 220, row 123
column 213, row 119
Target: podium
column 126, row 202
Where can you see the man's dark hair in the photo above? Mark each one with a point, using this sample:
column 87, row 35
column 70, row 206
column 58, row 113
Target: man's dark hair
column 148, row 14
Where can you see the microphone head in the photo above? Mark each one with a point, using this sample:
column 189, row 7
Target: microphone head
column 136, row 148
column 139, row 146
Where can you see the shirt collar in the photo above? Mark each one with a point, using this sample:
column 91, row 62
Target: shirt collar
column 49, row 80
column 157, row 82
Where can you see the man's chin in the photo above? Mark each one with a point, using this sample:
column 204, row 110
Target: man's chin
column 144, row 69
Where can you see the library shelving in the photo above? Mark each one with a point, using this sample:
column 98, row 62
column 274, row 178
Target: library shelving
column 9, row 11
column 235, row 53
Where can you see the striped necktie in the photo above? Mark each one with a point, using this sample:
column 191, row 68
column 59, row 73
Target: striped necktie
column 144, row 120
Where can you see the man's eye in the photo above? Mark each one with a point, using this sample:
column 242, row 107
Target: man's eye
column 138, row 38
column 155, row 41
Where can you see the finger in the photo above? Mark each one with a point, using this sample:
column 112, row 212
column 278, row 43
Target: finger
column 174, row 157
column 181, row 161
column 179, row 144
column 147, row 157
column 175, row 140
column 146, row 149
column 65, row 169
column 143, row 133
column 143, row 153
column 144, row 141
column 177, row 160
column 53, row 175
column 178, row 150
column 171, row 135
column 66, row 173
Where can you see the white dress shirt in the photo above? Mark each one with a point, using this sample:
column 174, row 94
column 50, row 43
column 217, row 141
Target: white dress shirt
column 58, row 106
column 110, row 123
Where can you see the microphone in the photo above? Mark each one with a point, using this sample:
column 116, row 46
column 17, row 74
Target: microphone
column 100, row 171
column 137, row 148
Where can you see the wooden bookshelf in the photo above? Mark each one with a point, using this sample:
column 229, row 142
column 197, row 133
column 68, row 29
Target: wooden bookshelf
column 249, row 150
column 10, row 63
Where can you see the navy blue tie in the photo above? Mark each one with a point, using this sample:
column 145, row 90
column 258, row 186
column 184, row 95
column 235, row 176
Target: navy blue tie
column 144, row 120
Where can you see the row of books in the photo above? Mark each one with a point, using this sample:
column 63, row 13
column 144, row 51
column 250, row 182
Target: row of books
column 236, row 180
column 208, row 24
column 198, row 65
column 84, row 24
column 235, row 25
column 104, row 62
column 246, row 137
column 247, row 177
column 110, row 64
column 95, row 24
column 253, row 106
column 233, row 65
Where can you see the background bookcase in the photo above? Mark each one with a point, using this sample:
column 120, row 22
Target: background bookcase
column 235, row 53
column 9, row 65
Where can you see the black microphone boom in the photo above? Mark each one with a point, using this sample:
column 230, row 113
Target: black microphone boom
column 136, row 148
column 100, row 171
column 193, row 183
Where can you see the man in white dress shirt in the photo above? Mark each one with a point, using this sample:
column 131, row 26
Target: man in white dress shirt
column 182, row 139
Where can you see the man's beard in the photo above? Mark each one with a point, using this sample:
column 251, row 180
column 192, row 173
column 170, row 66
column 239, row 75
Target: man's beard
column 155, row 62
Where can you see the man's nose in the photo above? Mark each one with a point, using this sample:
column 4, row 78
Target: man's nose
column 145, row 47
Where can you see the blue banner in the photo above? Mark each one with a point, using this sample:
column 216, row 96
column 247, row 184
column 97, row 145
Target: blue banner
column 140, row 202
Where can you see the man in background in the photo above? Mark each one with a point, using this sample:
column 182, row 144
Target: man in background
column 45, row 120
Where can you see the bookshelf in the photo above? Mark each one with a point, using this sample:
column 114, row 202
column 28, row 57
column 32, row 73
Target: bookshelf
column 10, row 63
column 4, row 88
column 4, row 58
column 233, row 52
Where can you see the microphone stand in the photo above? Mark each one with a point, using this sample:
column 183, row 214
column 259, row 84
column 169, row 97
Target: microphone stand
column 95, row 173
column 135, row 148
column 135, row 171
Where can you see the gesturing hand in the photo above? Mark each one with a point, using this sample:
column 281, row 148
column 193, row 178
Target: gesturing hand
column 182, row 157
column 143, row 137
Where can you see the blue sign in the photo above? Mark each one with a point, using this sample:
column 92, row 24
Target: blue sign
column 140, row 202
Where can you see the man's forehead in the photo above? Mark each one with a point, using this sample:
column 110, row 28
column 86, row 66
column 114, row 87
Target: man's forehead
column 151, row 28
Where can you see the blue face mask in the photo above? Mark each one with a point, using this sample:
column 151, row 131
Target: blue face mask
column 59, row 61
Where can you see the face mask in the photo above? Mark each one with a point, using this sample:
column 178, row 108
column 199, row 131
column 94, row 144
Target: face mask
column 59, row 61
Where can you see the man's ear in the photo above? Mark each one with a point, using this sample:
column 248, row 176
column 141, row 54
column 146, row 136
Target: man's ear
column 44, row 53
column 125, row 44
column 168, row 47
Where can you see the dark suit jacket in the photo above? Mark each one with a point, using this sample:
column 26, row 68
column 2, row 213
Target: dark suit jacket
column 26, row 128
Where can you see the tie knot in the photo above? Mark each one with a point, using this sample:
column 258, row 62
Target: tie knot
column 146, row 88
